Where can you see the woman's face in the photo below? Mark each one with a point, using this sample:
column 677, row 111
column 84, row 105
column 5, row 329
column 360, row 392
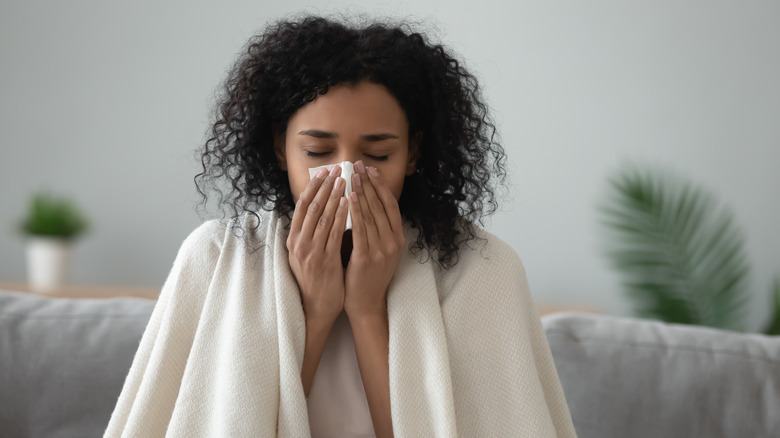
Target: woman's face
column 348, row 123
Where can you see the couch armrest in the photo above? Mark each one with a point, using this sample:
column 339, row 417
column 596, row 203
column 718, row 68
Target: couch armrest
column 63, row 361
column 627, row 377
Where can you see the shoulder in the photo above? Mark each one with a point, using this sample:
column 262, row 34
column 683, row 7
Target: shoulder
column 227, row 234
column 205, row 243
column 486, row 260
column 488, row 252
column 208, row 234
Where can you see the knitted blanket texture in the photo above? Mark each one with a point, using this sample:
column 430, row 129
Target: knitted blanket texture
column 223, row 350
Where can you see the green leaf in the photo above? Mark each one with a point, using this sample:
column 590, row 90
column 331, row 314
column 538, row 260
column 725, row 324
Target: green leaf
column 680, row 254
column 52, row 216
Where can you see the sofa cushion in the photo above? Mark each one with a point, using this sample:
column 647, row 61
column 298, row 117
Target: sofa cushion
column 63, row 362
column 627, row 377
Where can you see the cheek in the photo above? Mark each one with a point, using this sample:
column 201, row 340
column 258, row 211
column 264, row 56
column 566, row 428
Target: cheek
column 299, row 179
column 394, row 175
column 395, row 181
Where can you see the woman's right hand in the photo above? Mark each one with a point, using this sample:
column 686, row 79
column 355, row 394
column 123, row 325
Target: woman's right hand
column 314, row 244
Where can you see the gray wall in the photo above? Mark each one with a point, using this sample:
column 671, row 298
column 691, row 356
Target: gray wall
column 106, row 103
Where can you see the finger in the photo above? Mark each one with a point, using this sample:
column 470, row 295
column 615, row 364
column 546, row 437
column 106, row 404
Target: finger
column 363, row 218
column 359, row 185
column 336, row 235
column 305, row 199
column 387, row 198
column 374, row 203
column 317, row 205
column 325, row 223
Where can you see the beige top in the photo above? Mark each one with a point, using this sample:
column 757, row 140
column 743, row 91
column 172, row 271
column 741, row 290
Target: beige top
column 337, row 401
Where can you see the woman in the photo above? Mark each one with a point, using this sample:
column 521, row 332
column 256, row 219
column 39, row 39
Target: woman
column 277, row 321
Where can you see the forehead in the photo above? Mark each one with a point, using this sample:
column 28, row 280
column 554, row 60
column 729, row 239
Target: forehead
column 362, row 107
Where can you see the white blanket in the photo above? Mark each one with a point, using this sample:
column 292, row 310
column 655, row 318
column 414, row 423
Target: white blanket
column 222, row 354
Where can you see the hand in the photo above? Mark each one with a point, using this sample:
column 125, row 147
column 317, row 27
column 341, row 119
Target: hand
column 314, row 245
column 378, row 243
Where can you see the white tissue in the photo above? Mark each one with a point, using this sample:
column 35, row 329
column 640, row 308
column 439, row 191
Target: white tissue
column 347, row 169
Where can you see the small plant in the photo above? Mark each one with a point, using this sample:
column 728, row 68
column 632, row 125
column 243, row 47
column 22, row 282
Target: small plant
column 52, row 216
column 679, row 251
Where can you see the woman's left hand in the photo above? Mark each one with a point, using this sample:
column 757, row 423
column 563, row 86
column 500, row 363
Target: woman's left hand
column 377, row 243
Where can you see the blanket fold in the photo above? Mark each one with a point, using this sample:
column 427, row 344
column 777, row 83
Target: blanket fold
column 223, row 350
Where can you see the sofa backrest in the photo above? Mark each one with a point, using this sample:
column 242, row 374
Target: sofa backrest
column 63, row 362
column 627, row 377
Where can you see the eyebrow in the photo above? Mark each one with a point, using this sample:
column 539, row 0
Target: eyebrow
column 378, row 137
column 326, row 134
column 318, row 134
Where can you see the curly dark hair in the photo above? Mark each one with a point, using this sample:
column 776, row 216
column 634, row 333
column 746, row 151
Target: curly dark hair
column 460, row 161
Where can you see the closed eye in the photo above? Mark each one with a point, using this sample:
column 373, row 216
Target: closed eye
column 377, row 157
column 316, row 154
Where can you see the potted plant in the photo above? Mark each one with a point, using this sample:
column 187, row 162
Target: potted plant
column 51, row 225
column 681, row 255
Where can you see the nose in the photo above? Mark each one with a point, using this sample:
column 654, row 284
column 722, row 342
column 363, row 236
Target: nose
column 347, row 156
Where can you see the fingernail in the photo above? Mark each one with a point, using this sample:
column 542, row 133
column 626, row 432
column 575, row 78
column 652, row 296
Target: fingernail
column 322, row 173
column 339, row 182
column 342, row 201
column 373, row 172
column 334, row 171
column 353, row 197
column 360, row 166
column 356, row 179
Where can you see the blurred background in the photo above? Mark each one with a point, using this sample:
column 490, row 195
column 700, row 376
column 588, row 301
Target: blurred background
column 107, row 102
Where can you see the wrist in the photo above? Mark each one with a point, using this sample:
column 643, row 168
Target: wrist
column 321, row 308
column 367, row 316
column 321, row 319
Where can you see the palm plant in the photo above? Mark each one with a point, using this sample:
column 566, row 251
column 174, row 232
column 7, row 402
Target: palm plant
column 680, row 253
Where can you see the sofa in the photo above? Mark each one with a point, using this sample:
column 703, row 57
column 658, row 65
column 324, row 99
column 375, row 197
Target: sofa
column 628, row 377
column 63, row 363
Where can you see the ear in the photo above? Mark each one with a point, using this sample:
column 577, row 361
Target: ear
column 279, row 148
column 414, row 153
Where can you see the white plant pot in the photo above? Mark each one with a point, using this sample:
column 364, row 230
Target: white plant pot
column 48, row 261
